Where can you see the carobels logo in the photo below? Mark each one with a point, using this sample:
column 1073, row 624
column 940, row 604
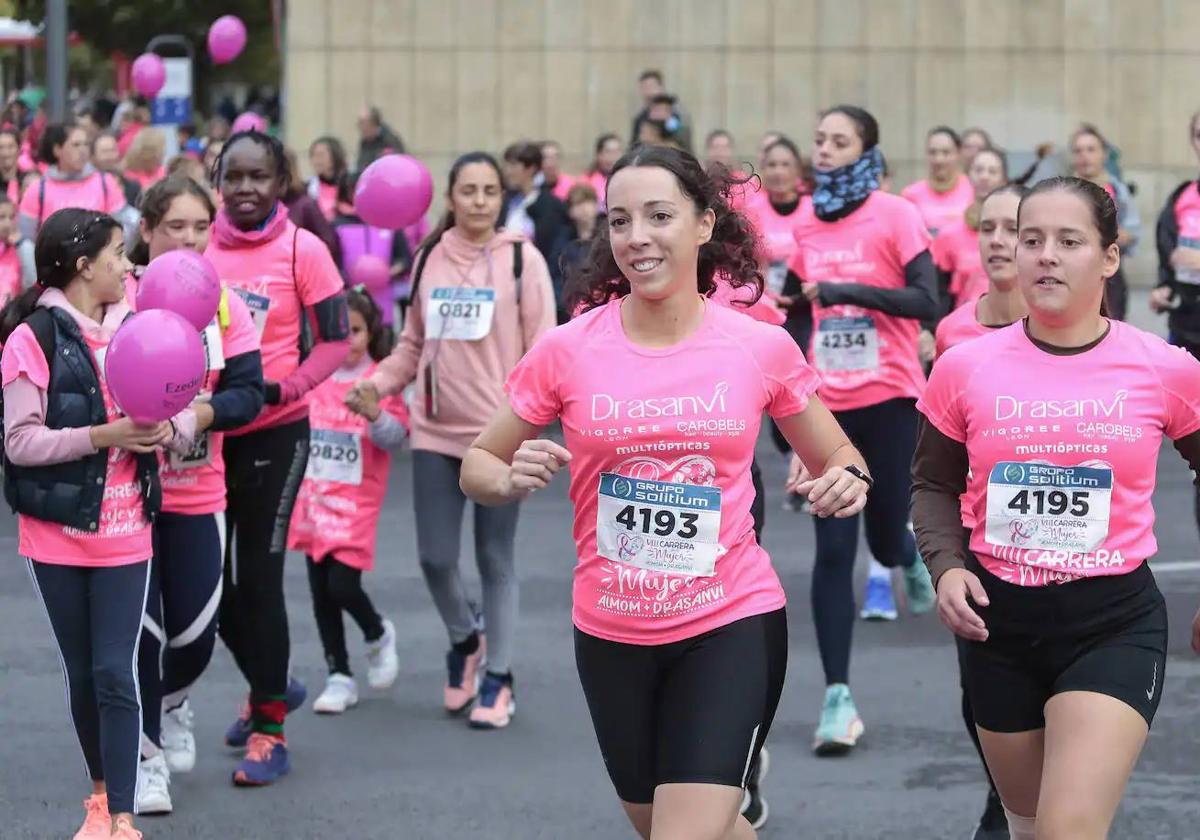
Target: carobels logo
column 1014, row 473
column 1011, row 408
column 605, row 407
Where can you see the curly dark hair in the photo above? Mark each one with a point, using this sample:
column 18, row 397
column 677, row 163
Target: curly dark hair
column 730, row 256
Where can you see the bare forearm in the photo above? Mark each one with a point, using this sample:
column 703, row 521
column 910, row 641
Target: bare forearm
column 485, row 478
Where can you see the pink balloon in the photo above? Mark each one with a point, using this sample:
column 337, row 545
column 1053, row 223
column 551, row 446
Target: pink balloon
column 183, row 282
column 393, row 192
column 149, row 74
column 226, row 39
column 155, row 365
column 250, row 121
column 371, row 271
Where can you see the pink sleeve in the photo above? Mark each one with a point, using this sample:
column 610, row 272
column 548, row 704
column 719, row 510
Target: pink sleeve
column 908, row 233
column 537, row 296
column 532, row 387
column 941, row 340
column 240, row 336
column 789, row 379
column 116, row 194
column 940, row 402
column 1180, row 376
column 942, row 253
column 317, row 277
column 27, row 441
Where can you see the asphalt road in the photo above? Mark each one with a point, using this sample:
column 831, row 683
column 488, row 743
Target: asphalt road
column 397, row 767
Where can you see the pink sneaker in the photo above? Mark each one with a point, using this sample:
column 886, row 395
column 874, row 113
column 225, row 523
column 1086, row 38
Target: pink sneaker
column 496, row 705
column 125, row 831
column 97, row 825
column 462, row 682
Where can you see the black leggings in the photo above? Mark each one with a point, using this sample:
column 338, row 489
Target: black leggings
column 886, row 435
column 179, row 630
column 337, row 588
column 263, row 471
column 697, row 710
column 96, row 617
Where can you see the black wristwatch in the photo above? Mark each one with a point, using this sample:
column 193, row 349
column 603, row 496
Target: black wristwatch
column 860, row 475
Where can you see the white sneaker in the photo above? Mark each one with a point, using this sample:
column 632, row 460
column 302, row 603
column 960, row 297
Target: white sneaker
column 178, row 742
column 340, row 694
column 382, row 663
column 153, row 787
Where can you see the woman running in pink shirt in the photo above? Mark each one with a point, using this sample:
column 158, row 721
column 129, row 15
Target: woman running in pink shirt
column 680, row 631
column 84, row 481
column 339, row 505
column 1051, row 429
column 180, row 628
column 946, row 193
column 296, row 297
column 481, row 299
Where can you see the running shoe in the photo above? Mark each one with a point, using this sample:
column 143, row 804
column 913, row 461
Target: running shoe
column 238, row 733
column 97, row 823
column 754, row 805
column 993, row 825
column 496, row 705
column 340, row 694
column 463, row 676
column 178, row 742
column 918, row 588
column 840, row 726
column 124, row 830
column 879, row 603
column 266, row 761
column 382, row 663
column 154, row 786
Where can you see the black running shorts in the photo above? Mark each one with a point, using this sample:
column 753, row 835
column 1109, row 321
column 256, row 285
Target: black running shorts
column 697, row 710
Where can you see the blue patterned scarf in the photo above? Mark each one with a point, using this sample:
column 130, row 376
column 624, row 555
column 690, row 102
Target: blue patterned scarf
column 841, row 191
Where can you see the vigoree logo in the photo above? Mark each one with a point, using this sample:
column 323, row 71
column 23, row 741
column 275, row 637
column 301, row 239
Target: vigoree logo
column 1011, row 408
column 607, row 407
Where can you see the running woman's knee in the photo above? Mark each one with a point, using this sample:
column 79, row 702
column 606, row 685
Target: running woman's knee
column 115, row 683
column 343, row 584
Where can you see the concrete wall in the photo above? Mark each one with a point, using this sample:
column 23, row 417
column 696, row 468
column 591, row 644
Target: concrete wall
column 454, row 75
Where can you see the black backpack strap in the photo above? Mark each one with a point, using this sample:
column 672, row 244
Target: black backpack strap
column 518, row 266
column 104, row 190
column 41, row 321
column 41, row 199
column 419, row 268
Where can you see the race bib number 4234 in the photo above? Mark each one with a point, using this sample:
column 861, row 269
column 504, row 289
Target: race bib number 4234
column 659, row 526
column 846, row 344
column 1048, row 507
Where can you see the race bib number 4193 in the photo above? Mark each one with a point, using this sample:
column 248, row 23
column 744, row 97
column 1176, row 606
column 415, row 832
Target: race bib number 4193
column 659, row 526
column 1048, row 507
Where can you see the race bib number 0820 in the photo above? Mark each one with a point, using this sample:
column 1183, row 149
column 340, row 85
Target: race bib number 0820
column 335, row 456
column 1048, row 507
column 659, row 526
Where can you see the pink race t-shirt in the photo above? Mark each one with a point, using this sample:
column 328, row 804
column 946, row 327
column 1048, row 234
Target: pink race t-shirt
column 88, row 193
column 263, row 275
column 864, row 356
column 1063, row 449
column 777, row 236
column 10, row 273
column 960, row 325
column 342, row 494
column 124, row 533
column 662, row 441
column 1187, row 218
column 956, row 252
column 939, row 210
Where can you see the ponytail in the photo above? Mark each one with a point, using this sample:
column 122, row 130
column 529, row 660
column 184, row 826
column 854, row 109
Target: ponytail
column 17, row 310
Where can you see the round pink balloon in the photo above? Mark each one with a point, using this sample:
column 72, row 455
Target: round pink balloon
column 226, row 39
column 155, row 365
column 371, row 271
column 250, row 121
column 183, row 282
column 149, row 74
column 393, row 192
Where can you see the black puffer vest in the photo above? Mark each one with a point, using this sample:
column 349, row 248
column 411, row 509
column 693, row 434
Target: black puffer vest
column 71, row 493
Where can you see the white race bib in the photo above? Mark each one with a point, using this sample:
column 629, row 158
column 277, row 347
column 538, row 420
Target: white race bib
column 259, row 306
column 200, row 455
column 214, row 348
column 1046, row 507
column 1188, row 275
column 335, row 456
column 776, row 277
column 659, row 526
column 847, row 344
column 460, row 313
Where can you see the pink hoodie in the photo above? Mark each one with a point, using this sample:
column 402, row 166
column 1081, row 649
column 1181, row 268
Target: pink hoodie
column 469, row 373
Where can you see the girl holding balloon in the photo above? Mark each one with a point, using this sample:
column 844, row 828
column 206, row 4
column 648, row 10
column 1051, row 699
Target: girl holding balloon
column 474, row 315
column 180, row 628
column 84, row 482
column 296, row 299
column 339, row 505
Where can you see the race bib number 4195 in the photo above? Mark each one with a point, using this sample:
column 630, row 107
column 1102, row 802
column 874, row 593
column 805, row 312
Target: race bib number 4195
column 659, row 526
column 1048, row 507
